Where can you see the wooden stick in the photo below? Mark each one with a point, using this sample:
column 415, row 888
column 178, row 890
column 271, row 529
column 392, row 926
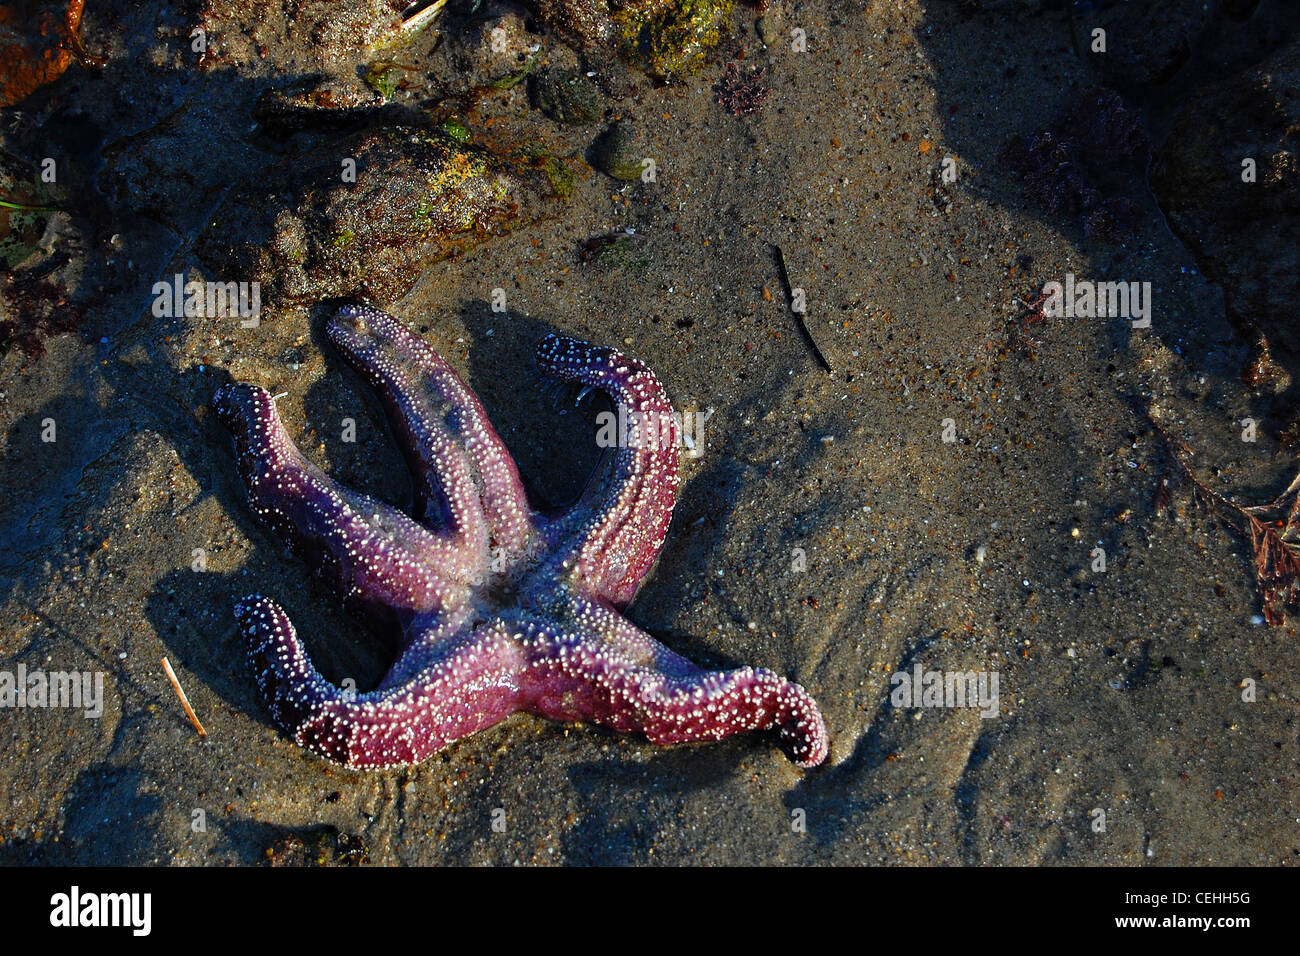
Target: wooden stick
column 185, row 701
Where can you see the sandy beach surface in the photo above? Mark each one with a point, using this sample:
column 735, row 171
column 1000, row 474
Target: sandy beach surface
column 1146, row 713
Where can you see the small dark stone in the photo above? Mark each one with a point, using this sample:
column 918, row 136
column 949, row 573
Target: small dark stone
column 619, row 152
column 567, row 96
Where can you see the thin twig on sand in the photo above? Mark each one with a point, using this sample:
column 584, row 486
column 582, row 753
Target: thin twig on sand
column 185, row 701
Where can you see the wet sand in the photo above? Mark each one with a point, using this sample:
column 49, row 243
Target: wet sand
column 827, row 531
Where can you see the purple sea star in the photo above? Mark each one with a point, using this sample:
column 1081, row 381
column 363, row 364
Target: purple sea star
column 500, row 607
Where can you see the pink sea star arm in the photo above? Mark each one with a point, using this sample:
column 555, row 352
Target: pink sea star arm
column 443, row 430
column 608, row 671
column 371, row 553
column 471, row 686
column 616, row 539
column 628, row 682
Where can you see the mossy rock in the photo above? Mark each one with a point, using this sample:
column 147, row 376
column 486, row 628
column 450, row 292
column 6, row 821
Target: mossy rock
column 312, row 228
column 669, row 38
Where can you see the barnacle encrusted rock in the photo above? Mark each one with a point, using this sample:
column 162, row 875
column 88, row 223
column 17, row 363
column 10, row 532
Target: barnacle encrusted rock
column 664, row 38
column 336, row 32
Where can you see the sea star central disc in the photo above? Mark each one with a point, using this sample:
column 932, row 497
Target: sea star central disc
column 499, row 607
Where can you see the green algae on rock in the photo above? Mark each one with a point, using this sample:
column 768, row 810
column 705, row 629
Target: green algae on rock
column 559, row 176
column 667, row 38
column 384, row 78
column 24, row 210
column 455, row 127
column 366, row 215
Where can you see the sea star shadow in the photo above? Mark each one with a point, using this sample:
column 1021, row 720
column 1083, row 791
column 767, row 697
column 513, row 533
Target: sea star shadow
column 499, row 607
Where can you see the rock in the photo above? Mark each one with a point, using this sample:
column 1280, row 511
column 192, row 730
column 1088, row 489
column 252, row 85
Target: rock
column 314, row 102
column 618, row 153
column 37, row 43
column 23, row 223
column 664, row 38
column 1245, row 235
column 495, row 45
column 35, row 305
column 567, row 96
column 1146, row 44
column 668, row 38
column 1084, row 164
column 338, row 32
column 584, row 23
column 304, row 232
column 35, row 298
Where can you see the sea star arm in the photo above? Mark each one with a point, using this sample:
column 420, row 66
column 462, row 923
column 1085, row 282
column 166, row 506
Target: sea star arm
column 371, row 553
column 443, row 430
column 471, row 686
column 609, row 672
column 621, row 533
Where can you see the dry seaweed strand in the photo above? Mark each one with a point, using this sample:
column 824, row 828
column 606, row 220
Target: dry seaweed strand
column 185, row 701
column 798, row 316
column 1277, row 555
column 1162, row 496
